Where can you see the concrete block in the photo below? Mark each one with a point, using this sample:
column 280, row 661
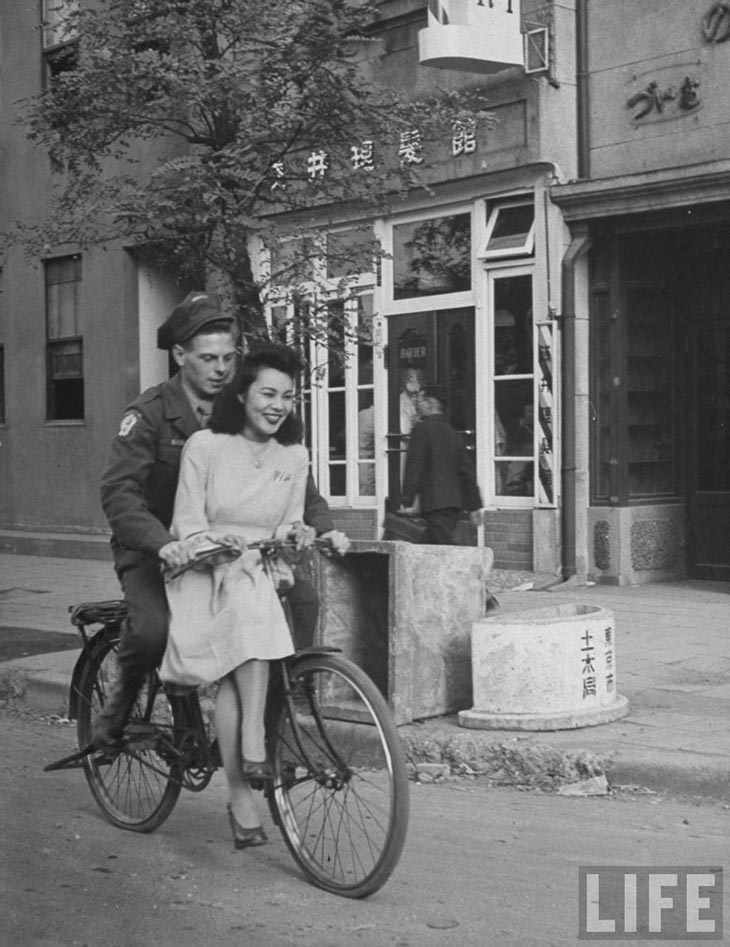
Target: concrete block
column 545, row 669
column 404, row 613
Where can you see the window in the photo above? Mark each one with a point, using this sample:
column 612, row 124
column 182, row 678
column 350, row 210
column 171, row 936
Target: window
column 327, row 260
column 350, row 252
column 514, row 399
column 510, row 230
column 59, row 36
column 431, row 257
column 344, row 391
column 64, row 347
column 57, row 29
column 635, row 390
column 328, row 313
column 537, row 49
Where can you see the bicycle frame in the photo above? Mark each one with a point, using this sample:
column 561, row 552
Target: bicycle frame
column 341, row 809
column 190, row 747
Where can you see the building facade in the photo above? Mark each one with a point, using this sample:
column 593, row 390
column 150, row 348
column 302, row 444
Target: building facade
column 467, row 294
column 563, row 275
column 647, row 340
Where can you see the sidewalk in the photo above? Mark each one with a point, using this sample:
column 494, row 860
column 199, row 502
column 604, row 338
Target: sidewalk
column 673, row 665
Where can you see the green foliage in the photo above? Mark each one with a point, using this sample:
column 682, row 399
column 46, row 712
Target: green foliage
column 168, row 131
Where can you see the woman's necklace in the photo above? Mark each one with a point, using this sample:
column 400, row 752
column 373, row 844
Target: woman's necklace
column 256, row 455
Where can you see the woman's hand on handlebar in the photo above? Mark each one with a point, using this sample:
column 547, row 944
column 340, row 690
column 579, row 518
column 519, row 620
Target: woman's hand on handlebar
column 236, row 540
column 302, row 535
column 179, row 552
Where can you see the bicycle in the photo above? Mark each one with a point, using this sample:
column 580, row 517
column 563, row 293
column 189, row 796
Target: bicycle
column 339, row 793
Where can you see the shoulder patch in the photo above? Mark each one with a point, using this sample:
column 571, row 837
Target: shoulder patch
column 128, row 422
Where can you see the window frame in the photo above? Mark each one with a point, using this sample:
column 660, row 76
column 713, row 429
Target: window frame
column 53, row 15
column 452, row 300
column 321, row 292
column 54, row 341
column 499, row 500
column 526, row 248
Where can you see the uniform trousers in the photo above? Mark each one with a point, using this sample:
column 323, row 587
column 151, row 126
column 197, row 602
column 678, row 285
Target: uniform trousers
column 144, row 632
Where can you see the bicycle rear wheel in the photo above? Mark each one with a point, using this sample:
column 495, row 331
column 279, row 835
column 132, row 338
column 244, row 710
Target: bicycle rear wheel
column 136, row 786
column 340, row 789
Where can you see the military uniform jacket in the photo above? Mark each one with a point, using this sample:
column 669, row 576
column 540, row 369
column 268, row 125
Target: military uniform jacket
column 139, row 483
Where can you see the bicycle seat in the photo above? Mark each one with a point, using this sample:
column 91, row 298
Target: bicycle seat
column 89, row 613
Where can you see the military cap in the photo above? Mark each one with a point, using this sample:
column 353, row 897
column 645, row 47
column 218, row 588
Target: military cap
column 189, row 317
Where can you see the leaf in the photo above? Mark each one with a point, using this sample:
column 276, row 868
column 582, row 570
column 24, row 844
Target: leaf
column 167, row 129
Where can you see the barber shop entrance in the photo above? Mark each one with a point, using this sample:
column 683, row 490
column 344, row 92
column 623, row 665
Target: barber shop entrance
column 428, row 348
column 660, row 399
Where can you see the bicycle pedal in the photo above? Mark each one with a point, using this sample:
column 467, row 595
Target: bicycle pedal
column 139, row 735
column 73, row 761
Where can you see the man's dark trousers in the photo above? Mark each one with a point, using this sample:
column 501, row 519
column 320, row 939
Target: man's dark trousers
column 442, row 526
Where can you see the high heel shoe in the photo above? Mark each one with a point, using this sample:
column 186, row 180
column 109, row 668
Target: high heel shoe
column 246, row 838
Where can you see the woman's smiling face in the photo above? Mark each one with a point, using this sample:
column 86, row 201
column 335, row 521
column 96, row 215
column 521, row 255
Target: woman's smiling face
column 268, row 401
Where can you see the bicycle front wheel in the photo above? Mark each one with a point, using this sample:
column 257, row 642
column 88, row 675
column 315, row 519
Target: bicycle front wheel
column 340, row 789
column 137, row 785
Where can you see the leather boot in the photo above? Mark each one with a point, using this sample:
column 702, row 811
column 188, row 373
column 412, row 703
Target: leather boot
column 108, row 726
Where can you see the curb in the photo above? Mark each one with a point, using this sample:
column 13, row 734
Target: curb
column 40, row 683
column 56, row 545
column 537, row 764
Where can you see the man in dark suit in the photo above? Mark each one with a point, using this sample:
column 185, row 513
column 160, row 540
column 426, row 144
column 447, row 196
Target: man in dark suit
column 439, row 470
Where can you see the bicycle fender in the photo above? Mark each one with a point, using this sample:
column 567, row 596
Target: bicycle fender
column 315, row 649
column 86, row 652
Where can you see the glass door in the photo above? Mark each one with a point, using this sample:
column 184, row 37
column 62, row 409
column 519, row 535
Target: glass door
column 427, row 348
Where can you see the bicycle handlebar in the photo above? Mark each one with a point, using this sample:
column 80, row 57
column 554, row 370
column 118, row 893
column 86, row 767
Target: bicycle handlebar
column 217, row 553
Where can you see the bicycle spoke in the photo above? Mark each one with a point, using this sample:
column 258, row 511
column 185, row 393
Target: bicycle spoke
column 137, row 785
column 340, row 791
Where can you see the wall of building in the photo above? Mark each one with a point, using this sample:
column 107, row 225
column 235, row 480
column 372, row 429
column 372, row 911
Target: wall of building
column 635, row 545
column 634, row 45
column 50, row 470
column 657, row 141
column 535, row 118
column 54, row 466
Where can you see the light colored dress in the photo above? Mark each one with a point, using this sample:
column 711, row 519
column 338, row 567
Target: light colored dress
column 223, row 616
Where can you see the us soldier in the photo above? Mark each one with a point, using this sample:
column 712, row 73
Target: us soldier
column 138, row 493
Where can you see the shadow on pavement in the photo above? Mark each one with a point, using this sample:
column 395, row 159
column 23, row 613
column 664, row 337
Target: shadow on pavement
column 23, row 642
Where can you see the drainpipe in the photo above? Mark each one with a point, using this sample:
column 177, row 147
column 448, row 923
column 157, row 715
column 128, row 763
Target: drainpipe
column 573, row 373
column 582, row 94
column 575, row 396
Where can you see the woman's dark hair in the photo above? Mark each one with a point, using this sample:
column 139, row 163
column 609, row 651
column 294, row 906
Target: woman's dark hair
column 229, row 415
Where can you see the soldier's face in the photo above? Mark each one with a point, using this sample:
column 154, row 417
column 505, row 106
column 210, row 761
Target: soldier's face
column 207, row 363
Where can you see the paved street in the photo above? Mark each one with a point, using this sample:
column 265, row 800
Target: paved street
column 672, row 657
column 481, row 867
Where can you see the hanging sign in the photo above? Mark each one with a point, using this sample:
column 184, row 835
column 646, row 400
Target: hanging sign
column 472, row 35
